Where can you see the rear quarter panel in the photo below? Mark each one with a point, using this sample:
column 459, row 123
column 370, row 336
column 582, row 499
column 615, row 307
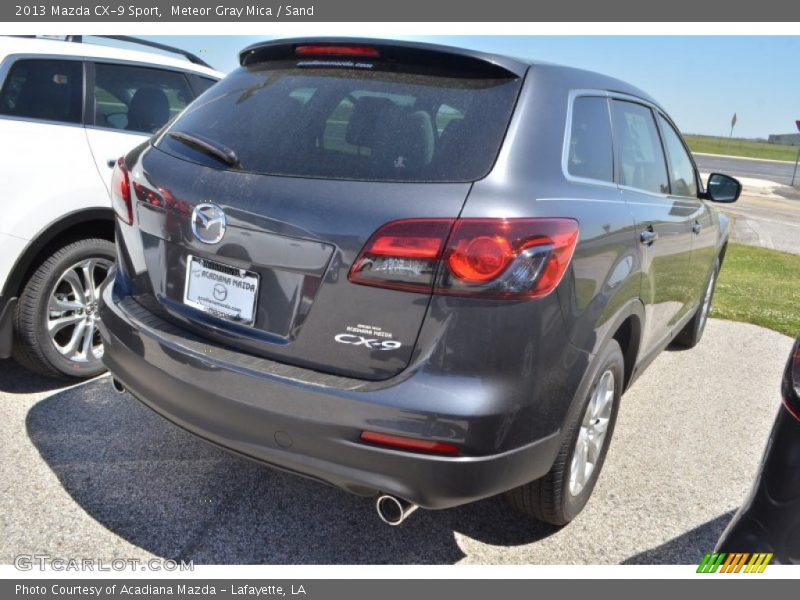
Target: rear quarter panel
column 541, row 348
column 47, row 171
column 603, row 280
column 12, row 247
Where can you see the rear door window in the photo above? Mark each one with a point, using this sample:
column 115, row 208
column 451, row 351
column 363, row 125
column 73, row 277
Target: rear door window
column 352, row 124
column 641, row 160
column 591, row 153
column 44, row 89
column 138, row 99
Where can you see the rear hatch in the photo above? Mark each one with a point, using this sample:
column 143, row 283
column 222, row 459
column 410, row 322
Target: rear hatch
column 305, row 152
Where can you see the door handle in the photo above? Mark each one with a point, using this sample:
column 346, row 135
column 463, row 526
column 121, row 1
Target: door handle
column 648, row 236
column 696, row 228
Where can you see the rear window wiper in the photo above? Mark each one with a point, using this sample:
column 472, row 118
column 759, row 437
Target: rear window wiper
column 206, row 146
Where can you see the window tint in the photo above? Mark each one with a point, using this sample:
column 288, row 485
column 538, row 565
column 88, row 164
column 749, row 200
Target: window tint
column 137, row 98
column 681, row 169
column 201, row 84
column 353, row 124
column 641, row 160
column 44, row 89
column 590, row 148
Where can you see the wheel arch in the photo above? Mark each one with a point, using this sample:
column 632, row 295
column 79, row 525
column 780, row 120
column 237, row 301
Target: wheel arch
column 80, row 224
column 629, row 336
column 626, row 328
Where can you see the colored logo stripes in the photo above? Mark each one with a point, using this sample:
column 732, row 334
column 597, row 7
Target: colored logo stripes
column 735, row 562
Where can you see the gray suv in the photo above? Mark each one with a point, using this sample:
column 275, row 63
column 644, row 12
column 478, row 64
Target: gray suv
column 411, row 271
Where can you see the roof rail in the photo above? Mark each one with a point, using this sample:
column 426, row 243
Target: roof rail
column 193, row 58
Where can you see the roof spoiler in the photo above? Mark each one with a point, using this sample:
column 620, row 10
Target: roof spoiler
column 408, row 53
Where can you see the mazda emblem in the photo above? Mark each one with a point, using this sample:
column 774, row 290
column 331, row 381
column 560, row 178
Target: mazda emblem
column 208, row 223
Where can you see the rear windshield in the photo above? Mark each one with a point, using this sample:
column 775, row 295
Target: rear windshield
column 351, row 124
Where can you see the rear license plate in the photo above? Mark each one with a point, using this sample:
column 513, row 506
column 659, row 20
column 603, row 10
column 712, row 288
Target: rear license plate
column 221, row 290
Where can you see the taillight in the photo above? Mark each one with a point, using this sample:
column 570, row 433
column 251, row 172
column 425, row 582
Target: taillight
column 402, row 255
column 494, row 258
column 480, row 259
column 336, row 50
column 790, row 386
column 506, row 258
column 121, row 193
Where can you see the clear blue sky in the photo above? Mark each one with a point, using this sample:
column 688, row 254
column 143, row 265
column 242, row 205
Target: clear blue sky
column 701, row 81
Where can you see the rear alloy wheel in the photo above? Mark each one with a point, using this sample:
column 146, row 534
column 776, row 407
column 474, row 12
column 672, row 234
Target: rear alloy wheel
column 592, row 433
column 559, row 496
column 72, row 311
column 57, row 317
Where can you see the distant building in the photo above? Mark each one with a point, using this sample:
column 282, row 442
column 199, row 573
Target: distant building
column 787, row 139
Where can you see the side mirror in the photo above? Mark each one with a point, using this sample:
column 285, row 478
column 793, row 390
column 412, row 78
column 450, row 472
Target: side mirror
column 722, row 188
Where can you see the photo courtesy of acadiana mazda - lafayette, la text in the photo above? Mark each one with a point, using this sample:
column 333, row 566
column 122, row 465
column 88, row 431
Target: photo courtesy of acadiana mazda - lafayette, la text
column 69, row 108
column 418, row 273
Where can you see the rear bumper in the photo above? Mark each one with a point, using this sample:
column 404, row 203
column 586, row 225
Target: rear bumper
column 265, row 411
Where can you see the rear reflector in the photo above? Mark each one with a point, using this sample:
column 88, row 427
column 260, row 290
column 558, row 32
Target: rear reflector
column 121, row 193
column 336, row 50
column 412, row 444
column 491, row 258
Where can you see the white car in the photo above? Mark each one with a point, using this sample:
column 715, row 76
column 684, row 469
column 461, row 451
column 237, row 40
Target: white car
column 68, row 110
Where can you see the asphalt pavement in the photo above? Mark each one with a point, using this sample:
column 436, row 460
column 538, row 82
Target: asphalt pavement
column 767, row 214
column 780, row 172
column 91, row 473
column 770, row 222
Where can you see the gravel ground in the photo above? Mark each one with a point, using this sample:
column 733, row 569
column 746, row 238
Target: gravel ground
column 91, row 473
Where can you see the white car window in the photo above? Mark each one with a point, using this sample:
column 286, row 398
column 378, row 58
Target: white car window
column 138, row 99
column 44, row 89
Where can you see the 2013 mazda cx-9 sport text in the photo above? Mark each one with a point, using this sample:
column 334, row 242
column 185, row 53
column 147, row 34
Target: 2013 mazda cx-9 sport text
column 414, row 272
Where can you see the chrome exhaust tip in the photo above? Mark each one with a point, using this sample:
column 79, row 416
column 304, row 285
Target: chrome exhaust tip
column 393, row 511
column 118, row 387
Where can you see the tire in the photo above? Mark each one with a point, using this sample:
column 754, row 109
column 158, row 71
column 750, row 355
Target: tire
column 692, row 332
column 50, row 300
column 557, row 498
